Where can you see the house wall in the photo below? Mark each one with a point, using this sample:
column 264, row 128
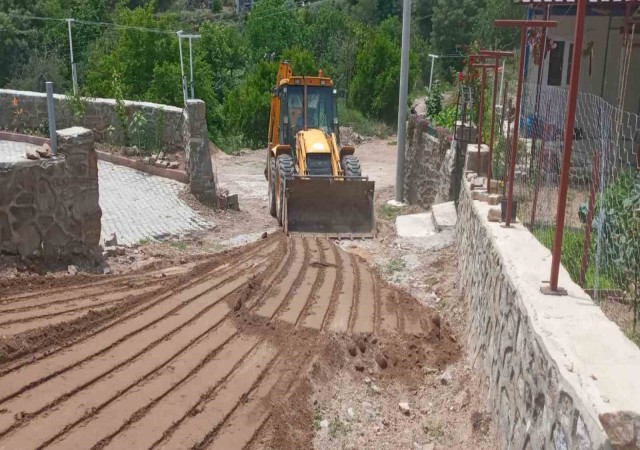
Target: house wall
column 596, row 32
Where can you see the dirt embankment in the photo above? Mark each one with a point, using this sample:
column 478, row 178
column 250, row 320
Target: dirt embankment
column 215, row 353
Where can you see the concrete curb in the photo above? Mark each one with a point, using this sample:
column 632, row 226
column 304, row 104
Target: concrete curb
column 172, row 174
column 24, row 138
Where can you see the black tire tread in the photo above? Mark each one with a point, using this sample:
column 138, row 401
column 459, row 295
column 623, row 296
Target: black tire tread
column 351, row 166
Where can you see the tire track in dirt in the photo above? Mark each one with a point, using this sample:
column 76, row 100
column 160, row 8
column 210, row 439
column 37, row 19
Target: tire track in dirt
column 344, row 302
column 213, row 362
column 325, row 293
column 126, row 311
column 188, row 304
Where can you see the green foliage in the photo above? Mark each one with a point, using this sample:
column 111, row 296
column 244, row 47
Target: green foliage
column 77, row 105
column 272, row 28
column 452, row 29
column 446, row 118
column 361, row 124
column 487, row 34
column 120, row 109
column 302, row 61
column 137, row 129
column 375, row 87
column 38, row 69
column 246, row 109
column 216, row 6
column 433, row 101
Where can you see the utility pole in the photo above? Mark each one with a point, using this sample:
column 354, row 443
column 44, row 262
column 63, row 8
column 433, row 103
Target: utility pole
column 433, row 58
column 502, row 78
column 402, row 101
column 184, row 80
column 190, row 37
column 74, row 72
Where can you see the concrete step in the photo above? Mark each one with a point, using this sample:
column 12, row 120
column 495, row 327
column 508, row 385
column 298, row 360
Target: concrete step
column 415, row 226
column 444, row 215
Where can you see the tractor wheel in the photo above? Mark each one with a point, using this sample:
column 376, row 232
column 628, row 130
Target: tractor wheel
column 272, row 187
column 351, row 166
column 285, row 172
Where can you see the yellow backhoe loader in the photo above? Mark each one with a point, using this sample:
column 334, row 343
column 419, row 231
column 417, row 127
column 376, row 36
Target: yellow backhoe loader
column 315, row 186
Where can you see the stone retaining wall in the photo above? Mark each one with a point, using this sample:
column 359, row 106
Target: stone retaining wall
column 26, row 112
column 168, row 127
column 428, row 165
column 558, row 373
column 50, row 206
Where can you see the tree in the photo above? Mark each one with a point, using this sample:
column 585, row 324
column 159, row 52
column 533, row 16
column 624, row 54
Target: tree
column 40, row 68
column 375, row 86
column 224, row 50
column 272, row 27
column 487, row 34
column 302, row 61
column 246, row 108
column 453, row 28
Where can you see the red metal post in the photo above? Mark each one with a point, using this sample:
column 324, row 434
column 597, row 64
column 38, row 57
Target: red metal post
column 516, row 128
column 505, row 174
column 523, row 25
column 568, row 142
column 497, row 55
column 595, row 175
column 481, row 116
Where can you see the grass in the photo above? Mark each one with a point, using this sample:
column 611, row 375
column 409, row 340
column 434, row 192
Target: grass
column 179, row 245
column 144, row 241
column 390, row 212
column 317, row 418
column 434, row 429
column 395, row 265
column 392, row 143
column 338, row 428
column 360, row 123
column 572, row 249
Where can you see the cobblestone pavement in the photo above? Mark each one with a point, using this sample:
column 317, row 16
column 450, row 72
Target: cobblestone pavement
column 135, row 205
column 138, row 206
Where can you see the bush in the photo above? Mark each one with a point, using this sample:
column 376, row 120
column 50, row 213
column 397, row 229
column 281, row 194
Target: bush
column 361, row 124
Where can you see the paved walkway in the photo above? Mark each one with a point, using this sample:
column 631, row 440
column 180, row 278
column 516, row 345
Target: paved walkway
column 138, row 206
column 135, row 205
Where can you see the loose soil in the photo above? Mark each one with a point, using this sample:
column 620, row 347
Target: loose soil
column 206, row 355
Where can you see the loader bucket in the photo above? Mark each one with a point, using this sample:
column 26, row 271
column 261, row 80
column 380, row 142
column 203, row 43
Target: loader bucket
column 334, row 207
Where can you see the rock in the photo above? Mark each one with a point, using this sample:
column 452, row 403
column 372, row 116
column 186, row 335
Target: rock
column 112, row 241
column 429, row 446
column 350, row 413
column 120, row 251
column 361, row 344
column 495, row 215
column 161, row 155
column 351, row 347
column 174, row 165
column 153, row 158
column 477, row 194
column 146, row 160
column 376, row 389
column 435, row 319
column 324, row 424
column 621, row 428
column 462, row 399
column 446, row 377
column 367, row 380
column 381, row 360
column 106, row 271
column 110, row 251
column 404, row 407
column 44, row 151
column 359, row 367
column 264, row 235
column 72, row 270
column 32, row 154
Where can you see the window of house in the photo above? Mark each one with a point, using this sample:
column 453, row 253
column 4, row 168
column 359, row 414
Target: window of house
column 558, row 67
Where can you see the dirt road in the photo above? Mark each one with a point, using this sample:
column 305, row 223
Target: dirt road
column 210, row 354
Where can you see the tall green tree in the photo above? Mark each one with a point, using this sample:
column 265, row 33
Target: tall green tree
column 272, row 27
column 453, row 28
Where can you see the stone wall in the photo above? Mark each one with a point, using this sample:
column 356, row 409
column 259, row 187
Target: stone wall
column 26, row 112
column 50, row 206
column 167, row 127
column 558, row 373
column 428, row 164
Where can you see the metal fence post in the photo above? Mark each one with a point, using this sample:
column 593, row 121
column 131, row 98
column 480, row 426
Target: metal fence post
column 51, row 112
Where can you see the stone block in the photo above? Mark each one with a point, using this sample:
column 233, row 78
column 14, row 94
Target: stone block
column 472, row 159
column 476, row 194
column 494, row 199
column 494, row 215
column 483, row 196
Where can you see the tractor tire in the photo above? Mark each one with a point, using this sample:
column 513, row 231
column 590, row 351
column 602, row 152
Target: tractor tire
column 351, row 166
column 272, row 187
column 285, row 172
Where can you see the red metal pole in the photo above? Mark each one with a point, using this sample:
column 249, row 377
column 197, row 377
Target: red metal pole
column 568, row 142
column 493, row 124
column 505, row 176
column 481, row 116
column 516, row 127
column 595, row 175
